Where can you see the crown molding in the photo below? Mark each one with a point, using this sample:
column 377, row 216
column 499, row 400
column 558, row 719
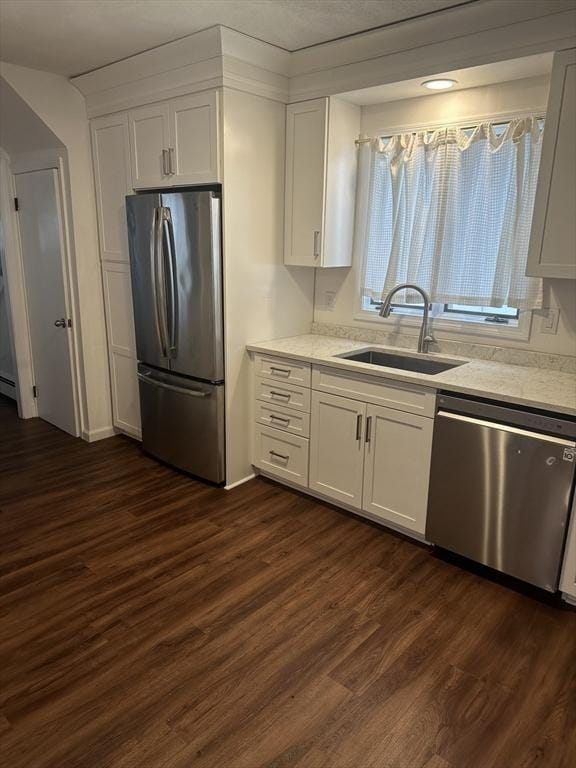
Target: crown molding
column 483, row 32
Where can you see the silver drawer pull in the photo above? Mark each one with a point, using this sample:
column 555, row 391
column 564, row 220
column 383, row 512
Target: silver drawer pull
column 273, row 417
column 279, row 394
column 279, row 456
column 275, row 370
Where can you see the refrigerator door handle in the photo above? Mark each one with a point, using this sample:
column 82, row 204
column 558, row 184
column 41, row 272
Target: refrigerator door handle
column 154, row 274
column 168, row 238
column 147, row 379
column 158, row 283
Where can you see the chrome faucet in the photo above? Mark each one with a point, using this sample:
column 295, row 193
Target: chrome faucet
column 425, row 336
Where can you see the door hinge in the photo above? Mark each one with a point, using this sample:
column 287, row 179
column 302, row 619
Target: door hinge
column 35, row 391
column 69, row 323
column 16, row 204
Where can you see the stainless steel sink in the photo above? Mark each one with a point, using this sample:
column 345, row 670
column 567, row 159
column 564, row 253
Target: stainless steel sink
column 400, row 361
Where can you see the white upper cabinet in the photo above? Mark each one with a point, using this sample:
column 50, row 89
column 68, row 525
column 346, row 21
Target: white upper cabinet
column 176, row 142
column 111, row 158
column 396, row 469
column 149, row 143
column 320, row 182
column 552, row 250
column 337, row 447
column 194, row 147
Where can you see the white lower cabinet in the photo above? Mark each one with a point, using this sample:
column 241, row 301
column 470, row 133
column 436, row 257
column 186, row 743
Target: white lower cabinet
column 337, row 447
column 353, row 450
column 281, row 454
column 568, row 578
column 396, row 466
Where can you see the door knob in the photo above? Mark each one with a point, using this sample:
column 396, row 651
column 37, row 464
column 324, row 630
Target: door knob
column 60, row 323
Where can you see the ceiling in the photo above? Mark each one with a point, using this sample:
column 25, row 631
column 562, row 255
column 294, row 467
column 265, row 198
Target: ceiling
column 70, row 37
column 473, row 77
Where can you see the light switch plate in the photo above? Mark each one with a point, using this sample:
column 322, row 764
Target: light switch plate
column 549, row 320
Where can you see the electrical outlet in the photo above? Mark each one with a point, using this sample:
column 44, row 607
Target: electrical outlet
column 330, row 299
column 549, row 321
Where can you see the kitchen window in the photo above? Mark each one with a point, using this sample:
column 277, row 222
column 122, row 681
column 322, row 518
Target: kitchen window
column 451, row 210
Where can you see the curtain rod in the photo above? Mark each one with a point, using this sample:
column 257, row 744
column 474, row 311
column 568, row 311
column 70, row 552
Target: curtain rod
column 465, row 128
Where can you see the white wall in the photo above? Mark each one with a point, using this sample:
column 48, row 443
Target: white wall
column 62, row 108
column 503, row 98
column 264, row 299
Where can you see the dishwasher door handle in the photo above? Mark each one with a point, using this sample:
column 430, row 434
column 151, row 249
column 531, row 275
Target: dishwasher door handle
column 507, row 428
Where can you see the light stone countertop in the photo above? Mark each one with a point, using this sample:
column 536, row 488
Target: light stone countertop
column 544, row 389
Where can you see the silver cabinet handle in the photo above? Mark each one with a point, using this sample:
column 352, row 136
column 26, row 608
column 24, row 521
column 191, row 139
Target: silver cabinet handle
column 273, row 417
column 146, row 378
column 275, row 370
column 316, row 244
column 171, row 161
column 273, row 393
column 368, row 429
column 165, row 170
column 279, row 456
column 359, row 427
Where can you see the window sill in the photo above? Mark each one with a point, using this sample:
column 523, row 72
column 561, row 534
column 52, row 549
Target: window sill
column 407, row 323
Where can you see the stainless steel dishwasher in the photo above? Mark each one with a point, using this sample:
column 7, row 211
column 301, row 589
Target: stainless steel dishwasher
column 501, row 485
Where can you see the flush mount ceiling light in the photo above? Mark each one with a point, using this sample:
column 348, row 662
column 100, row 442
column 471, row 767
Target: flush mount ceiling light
column 439, row 85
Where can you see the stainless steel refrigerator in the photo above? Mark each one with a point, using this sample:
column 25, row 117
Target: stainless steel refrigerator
column 176, row 269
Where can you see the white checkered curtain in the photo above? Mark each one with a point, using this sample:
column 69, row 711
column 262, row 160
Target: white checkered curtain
column 450, row 211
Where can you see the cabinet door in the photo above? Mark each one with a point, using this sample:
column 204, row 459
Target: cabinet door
column 111, row 158
column 306, row 125
column 397, row 466
column 337, row 447
column 121, row 347
column 194, row 155
column 149, row 142
column 552, row 251
column 568, row 578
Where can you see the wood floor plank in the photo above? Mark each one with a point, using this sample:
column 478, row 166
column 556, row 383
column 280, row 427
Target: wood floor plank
column 152, row 621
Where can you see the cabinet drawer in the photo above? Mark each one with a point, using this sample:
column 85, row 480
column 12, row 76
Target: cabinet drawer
column 370, row 389
column 283, row 393
column 296, row 422
column 281, row 369
column 279, row 453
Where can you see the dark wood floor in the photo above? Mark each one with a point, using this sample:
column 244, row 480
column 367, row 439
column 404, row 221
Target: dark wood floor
column 151, row 621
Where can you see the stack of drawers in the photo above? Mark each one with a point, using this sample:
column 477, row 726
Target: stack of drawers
column 282, row 413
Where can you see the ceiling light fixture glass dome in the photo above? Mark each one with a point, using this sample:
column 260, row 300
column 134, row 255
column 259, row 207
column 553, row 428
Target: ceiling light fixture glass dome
column 440, row 84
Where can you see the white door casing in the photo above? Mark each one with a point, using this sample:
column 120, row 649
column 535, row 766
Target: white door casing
column 47, row 296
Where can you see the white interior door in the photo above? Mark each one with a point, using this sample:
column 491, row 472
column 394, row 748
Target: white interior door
column 43, row 252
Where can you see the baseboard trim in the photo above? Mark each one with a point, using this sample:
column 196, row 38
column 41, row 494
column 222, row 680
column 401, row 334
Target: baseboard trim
column 568, row 598
column 239, row 482
column 93, row 435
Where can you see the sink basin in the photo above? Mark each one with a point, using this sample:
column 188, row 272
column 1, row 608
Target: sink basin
column 403, row 362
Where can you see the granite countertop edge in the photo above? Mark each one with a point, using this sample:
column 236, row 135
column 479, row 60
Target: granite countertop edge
column 519, row 385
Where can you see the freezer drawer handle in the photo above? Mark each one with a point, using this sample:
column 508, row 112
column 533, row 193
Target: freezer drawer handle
column 146, row 378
